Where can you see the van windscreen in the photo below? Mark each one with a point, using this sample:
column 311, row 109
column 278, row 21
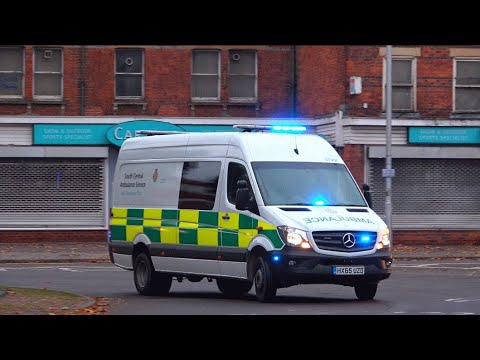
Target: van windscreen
column 306, row 183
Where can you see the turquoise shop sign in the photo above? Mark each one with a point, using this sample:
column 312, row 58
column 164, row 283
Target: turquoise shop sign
column 117, row 134
column 105, row 134
column 70, row 134
column 443, row 135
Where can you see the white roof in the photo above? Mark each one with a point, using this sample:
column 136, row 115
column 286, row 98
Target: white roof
column 249, row 146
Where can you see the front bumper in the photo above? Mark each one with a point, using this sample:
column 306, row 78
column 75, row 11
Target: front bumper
column 296, row 266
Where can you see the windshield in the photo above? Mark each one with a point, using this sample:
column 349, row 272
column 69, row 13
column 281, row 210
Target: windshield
column 306, row 183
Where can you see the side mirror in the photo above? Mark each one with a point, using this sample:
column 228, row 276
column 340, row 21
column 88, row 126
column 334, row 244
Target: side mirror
column 367, row 195
column 242, row 199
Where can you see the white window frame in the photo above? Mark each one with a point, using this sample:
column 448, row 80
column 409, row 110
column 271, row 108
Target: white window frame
column 22, row 96
column 244, row 99
column 206, row 99
column 454, row 84
column 141, row 97
column 414, row 83
column 48, row 97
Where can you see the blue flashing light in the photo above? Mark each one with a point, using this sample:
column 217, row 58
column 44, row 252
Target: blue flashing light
column 276, row 258
column 319, row 201
column 365, row 238
column 287, row 128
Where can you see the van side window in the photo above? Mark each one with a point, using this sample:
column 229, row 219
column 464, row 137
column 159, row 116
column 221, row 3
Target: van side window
column 236, row 172
column 199, row 185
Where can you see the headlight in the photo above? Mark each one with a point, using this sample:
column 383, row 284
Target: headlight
column 384, row 241
column 293, row 237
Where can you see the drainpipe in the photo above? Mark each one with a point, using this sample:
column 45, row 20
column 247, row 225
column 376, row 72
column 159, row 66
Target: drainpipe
column 82, row 80
column 294, row 81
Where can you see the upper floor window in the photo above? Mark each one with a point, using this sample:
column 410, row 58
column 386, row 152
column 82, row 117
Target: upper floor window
column 206, row 75
column 129, row 74
column 48, row 73
column 243, row 75
column 467, row 85
column 403, row 84
column 11, row 72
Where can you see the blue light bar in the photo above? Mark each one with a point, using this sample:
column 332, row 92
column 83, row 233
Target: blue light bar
column 319, row 202
column 276, row 258
column 288, row 128
column 365, row 238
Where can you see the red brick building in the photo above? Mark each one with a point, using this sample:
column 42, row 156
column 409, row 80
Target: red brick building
column 64, row 110
column 435, row 130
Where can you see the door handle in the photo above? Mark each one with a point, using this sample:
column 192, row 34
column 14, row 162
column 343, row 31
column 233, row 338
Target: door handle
column 226, row 217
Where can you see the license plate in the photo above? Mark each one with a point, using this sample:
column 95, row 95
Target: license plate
column 348, row 270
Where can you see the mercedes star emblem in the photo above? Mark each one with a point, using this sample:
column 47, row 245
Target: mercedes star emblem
column 348, row 240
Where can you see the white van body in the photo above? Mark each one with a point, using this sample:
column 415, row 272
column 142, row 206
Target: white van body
column 306, row 220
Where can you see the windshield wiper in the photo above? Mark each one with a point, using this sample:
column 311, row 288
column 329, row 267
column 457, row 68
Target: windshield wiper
column 297, row 204
column 347, row 205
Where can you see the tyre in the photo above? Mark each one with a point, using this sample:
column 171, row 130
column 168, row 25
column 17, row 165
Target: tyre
column 147, row 281
column 265, row 288
column 366, row 291
column 233, row 288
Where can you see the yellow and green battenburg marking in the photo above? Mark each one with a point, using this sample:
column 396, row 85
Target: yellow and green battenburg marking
column 190, row 227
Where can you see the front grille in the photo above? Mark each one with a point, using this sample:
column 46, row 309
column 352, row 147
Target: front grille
column 333, row 240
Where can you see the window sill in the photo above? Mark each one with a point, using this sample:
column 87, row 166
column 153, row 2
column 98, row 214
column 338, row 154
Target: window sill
column 205, row 102
column 138, row 102
column 465, row 115
column 13, row 101
column 243, row 103
column 48, row 102
column 403, row 114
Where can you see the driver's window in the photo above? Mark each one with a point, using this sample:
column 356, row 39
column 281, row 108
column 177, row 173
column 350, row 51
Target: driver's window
column 236, row 172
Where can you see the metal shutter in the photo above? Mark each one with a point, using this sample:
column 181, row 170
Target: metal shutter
column 65, row 193
column 429, row 193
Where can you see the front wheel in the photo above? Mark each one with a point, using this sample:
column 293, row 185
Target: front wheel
column 366, row 291
column 147, row 281
column 233, row 288
column 263, row 280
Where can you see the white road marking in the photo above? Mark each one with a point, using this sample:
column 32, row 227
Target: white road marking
column 433, row 312
column 68, row 269
column 417, row 265
column 399, row 312
column 73, row 268
column 433, row 266
column 461, row 300
column 463, row 313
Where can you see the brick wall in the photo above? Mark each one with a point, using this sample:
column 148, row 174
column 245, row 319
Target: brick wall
column 34, row 236
column 167, row 84
column 320, row 79
column 433, row 237
column 324, row 71
column 70, row 104
column 434, row 81
column 353, row 155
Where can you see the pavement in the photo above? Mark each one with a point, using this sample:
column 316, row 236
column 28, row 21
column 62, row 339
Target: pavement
column 97, row 252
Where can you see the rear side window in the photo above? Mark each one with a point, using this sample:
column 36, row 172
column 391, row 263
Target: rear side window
column 199, row 185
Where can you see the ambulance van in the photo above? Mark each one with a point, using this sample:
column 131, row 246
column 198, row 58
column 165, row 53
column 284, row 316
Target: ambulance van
column 265, row 206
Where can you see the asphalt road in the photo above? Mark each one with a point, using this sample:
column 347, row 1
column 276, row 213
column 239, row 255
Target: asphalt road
column 415, row 288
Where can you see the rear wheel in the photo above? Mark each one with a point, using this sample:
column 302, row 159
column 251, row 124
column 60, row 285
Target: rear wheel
column 265, row 288
column 366, row 291
column 147, row 281
column 233, row 288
